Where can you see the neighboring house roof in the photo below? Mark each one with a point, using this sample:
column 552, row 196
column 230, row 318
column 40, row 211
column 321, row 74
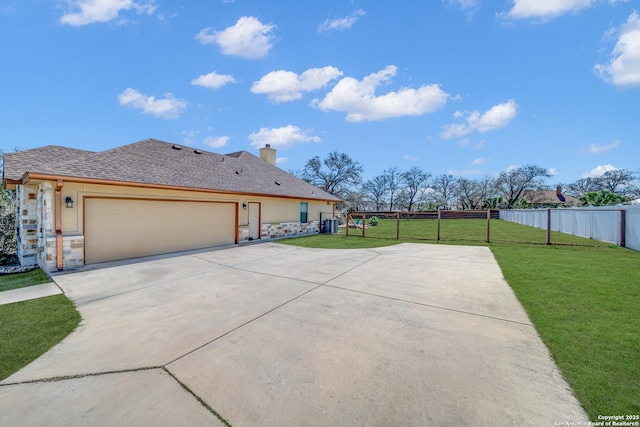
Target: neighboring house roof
column 550, row 197
column 157, row 163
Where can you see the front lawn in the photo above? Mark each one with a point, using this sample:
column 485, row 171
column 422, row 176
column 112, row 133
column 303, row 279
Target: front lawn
column 21, row 280
column 583, row 300
column 29, row 328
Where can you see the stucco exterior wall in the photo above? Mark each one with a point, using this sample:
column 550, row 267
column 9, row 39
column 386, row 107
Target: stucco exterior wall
column 280, row 217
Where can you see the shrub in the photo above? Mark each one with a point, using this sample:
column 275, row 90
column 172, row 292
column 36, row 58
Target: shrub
column 373, row 221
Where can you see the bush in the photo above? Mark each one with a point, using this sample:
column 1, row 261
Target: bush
column 7, row 226
column 373, row 221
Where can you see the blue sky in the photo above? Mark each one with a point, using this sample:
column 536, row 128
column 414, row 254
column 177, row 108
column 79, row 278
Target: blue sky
column 468, row 87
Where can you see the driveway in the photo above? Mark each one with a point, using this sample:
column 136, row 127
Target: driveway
column 276, row 335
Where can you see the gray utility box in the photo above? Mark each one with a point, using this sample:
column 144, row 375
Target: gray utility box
column 330, row 226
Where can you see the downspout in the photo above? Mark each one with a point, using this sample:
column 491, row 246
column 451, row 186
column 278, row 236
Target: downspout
column 58, row 207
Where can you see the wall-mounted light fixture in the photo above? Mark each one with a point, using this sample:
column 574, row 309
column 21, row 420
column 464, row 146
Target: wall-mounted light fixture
column 69, row 201
column 244, row 206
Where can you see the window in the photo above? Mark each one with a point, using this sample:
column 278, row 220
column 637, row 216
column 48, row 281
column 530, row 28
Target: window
column 304, row 208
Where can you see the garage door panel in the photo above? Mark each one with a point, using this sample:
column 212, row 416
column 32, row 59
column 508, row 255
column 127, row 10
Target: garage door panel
column 124, row 228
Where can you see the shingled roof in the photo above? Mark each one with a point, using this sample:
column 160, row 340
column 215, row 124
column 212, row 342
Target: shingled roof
column 158, row 163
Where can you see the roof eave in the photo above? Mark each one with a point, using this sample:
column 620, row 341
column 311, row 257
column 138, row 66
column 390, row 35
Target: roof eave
column 48, row 177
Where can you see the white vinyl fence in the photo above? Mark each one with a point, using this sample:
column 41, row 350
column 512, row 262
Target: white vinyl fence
column 607, row 224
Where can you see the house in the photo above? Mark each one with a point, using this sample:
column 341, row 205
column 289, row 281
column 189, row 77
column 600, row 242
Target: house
column 77, row 207
column 550, row 199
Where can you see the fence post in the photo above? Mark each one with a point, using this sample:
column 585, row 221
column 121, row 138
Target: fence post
column 623, row 226
column 397, row 225
column 488, row 225
column 364, row 224
column 347, row 231
column 439, row 224
column 548, row 226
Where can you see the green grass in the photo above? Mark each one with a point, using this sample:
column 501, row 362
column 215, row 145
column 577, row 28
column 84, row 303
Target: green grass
column 22, row 280
column 583, row 300
column 29, row 328
column 468, row 230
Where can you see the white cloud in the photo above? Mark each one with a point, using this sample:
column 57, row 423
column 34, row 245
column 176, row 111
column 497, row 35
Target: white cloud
column 552, row 171
column 479, row 161
column 282, row 160
column 410, row 158
column 624, row 67
column 599, row 171
column 213, row 80
column 281, row 137
column 248, row 38
column 341, row 23
column 545, row 9
column 597, row 149
column 463, row 4
column 496, row 117
column 168, row 107
column 216, row 141
column 83, row 12
column 285, row 86
column 358, row 99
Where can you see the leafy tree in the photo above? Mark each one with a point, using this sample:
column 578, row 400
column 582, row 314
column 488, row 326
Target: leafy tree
column 513, row 183
column 415, row 181
column 337, row 173
column 601, row 198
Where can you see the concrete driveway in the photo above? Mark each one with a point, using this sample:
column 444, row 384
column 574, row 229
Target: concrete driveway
column 276, row 335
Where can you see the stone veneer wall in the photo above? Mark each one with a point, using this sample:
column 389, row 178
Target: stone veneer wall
column 289, row 229
column 27, row 224
column 46, row 227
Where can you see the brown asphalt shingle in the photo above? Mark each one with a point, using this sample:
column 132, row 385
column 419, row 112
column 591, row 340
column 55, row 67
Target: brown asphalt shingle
column 158, row 163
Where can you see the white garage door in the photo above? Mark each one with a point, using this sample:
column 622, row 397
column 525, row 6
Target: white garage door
column 124, row 228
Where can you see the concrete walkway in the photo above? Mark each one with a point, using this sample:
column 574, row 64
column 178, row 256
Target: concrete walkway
column 275, row 335
column 29, row 293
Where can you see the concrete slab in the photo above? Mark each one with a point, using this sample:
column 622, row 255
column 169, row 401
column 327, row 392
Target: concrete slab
column 29, row 293
column 336, row 357
column 143, row 398
column 154, row 325
column 270, row 334
column 468, row 281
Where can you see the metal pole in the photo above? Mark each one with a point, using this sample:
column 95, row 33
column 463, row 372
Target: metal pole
column 623, row 226
column 548, row 226
column 488, row 225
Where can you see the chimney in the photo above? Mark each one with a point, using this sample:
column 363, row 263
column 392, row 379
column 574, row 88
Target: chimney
column 558, row 190
column 268, row 154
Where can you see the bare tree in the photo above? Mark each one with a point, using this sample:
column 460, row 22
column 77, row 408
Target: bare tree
column 619, row 182
column 444, row 188
column 376, row 188
column 513, row 183
column 580, row 187
column 336, row 174
column 474, row 193
column 393, row 179
column 415, row 181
